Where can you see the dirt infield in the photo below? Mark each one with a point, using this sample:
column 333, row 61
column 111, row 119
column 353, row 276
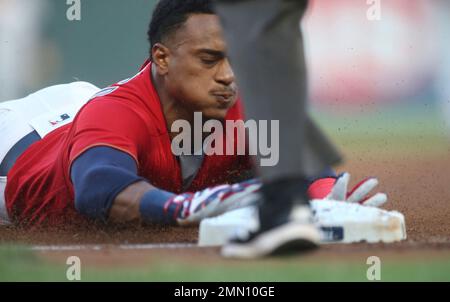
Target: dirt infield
column 417, row 186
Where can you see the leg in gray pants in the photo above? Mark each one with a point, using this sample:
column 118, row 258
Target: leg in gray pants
column 266, row 51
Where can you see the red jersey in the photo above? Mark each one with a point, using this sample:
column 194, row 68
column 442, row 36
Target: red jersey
column 126, row 116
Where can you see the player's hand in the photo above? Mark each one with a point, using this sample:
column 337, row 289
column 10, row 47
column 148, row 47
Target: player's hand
column 191, row 208
column 359, row 194
column 339, row 191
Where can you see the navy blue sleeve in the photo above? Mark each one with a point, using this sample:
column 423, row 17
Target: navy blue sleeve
column 98, row 176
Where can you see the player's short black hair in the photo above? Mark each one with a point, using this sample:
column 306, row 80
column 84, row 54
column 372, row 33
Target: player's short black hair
column 170, row 15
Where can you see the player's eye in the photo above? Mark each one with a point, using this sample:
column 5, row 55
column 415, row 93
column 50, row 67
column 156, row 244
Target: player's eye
column 208, row 61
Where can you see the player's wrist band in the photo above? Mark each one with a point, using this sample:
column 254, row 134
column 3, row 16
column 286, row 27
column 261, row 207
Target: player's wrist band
column 152, row 207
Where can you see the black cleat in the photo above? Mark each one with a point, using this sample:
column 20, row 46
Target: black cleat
column 285, row 223
column 296, row 235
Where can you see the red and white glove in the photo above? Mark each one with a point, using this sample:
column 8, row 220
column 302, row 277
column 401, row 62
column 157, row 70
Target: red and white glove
column 191, row 208
column 337, row 189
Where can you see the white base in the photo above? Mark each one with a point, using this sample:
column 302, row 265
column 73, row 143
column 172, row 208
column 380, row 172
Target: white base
column 340, row 222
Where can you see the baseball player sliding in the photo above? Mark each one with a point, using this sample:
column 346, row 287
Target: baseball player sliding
column 73, row 154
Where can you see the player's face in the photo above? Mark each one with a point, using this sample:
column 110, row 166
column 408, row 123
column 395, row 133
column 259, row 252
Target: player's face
column 199, row 73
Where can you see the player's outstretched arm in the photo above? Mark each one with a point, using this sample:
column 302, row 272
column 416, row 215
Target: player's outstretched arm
column 108, row 188
column 106, row 185
column 143, row 202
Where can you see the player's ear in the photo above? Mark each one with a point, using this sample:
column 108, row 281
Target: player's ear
column 160, row 57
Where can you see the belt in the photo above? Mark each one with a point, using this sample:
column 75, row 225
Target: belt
column 17, row 150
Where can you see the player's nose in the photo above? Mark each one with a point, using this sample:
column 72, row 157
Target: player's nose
column 225, row 74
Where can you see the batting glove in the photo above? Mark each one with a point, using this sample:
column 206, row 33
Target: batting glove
column 191, row 208
column 337, row 189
